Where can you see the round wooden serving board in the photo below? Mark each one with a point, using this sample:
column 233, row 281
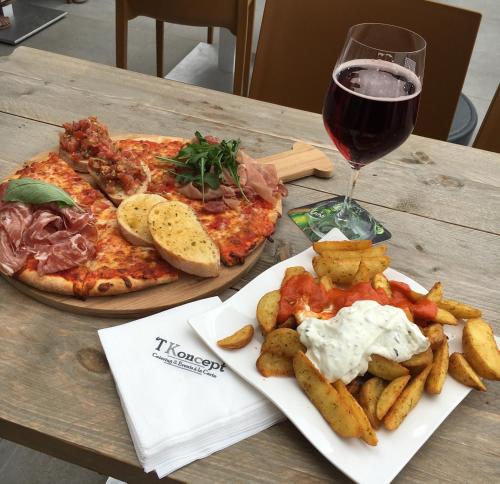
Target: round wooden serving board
column 302, row 160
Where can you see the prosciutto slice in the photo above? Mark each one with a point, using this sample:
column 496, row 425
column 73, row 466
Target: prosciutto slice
column 57, row 238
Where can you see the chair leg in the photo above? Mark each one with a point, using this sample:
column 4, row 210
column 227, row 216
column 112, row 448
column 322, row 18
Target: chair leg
column 159, row 48
column 121, row 31
column 210, row 35
column 241, row 38
column 248, row 49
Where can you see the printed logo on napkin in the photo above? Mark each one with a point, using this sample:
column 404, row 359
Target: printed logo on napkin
column 172, row 353
column 309, row 216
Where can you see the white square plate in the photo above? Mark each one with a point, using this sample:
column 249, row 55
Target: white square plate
column 359, row 461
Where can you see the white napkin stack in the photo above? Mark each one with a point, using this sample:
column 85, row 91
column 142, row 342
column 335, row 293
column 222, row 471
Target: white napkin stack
column 180, row 400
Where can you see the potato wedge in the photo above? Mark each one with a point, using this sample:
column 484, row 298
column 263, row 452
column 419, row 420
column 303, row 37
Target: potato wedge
column 326, row 282
column 435, row 334
column 363, row 273
column 342, row 245
column 267, row 311
column 435, row 293
column 390, row 395
column 357, row 254
column 463, row 372
column 292, row 271
column 291, row 323
column 419, row 361
column 368, row 397
column 274, row 365
column 284, row 342
column 325, row 397
column 407, row 401
column 445, row 317
column 379, row 281
column 355, row 386
column 480, row 349
column 237, row 340
column 459, row 310
column 386, row 369
column 367, row 432
column 437, row 376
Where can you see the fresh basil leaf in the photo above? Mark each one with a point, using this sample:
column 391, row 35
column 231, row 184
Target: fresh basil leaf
column 29, row 190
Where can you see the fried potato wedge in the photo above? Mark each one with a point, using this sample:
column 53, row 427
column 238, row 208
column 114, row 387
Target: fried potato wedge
column 459, row 310
column 363, row 273
column 480, row 349
column 435, row 293
column 284, row 342
column 435, row 334
column 326, row 282
column 320, row 247
column 390, row 395
column 460, row 369
column 419, row 361
column 368, row 397
column 378, row 251
column 379, row 281
column 437, row 375
column 292, row 271
column 237, row 340
column 367, row 432
column 325, row 397
column 267, row 311
column 291, row 323
column 355, row 386
column 386, row 369
column 445, row 317
column 274, row 365
column 407, row 401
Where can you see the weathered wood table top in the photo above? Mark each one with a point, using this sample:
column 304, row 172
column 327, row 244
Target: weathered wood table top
column 440, row 201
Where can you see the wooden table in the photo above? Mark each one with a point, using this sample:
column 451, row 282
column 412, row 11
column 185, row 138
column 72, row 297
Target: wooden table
column 440, row 201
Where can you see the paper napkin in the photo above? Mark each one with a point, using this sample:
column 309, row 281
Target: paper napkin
column 181, row 402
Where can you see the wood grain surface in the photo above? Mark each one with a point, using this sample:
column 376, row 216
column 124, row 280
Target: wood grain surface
column 440, row 201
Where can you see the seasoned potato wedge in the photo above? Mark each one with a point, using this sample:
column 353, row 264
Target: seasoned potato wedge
column 390, row 395
column 435, row 335
column 368, row 397
column 237, row 340
column 367, row 432
column 363, row 273
column 284, row 342
column 435, row 293
column 274, row 365
column 356, row 254
column 407, row 401
column 291, row 323
column 418, row 362
column 386, row 369
column 292, row 271
column 439, row 370
column 355, row 386
column 463, row 372
column 445, row 317
column 325, row 397
column 267, row 311
column 379, row 281
column 459, row 310
column 320, row 247
column 326, row 282
column 480, row 349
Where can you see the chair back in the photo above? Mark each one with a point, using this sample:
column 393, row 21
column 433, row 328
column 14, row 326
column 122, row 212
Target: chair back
column 300, row 42
column 488, row 136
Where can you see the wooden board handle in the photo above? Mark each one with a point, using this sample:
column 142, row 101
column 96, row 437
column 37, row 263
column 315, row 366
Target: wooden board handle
column 301, row 161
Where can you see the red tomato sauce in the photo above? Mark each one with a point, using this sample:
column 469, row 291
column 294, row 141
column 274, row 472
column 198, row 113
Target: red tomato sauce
column 303, row 289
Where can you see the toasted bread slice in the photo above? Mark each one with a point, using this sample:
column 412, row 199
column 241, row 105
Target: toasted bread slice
column 181, row 239
column 119, row 195
column 132, row 217
column 81, row 166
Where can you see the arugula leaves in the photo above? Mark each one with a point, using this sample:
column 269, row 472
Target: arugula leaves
column 29, row 190
column 202, row 163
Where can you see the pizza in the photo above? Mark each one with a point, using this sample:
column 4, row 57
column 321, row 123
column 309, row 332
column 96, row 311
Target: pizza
column 80, row 250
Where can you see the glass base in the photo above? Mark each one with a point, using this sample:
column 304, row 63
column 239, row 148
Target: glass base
column 355, row 223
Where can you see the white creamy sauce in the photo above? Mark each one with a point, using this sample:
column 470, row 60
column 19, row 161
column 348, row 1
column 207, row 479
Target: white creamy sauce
column 341, row 347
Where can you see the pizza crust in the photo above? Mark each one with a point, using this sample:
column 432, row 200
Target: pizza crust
column 49, row 282
column 117, row 285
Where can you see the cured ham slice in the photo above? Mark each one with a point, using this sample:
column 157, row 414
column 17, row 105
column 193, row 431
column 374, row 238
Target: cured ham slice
column 57, row 238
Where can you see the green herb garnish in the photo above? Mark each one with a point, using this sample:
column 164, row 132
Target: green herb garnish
column 29, row 190
column 202, row 163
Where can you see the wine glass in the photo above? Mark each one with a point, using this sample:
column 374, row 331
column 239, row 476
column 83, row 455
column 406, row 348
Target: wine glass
column 370, row 109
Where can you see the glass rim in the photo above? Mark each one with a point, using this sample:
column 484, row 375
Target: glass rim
column 397, row 27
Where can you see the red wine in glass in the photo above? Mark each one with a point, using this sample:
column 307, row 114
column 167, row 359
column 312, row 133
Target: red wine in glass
column 370, row 108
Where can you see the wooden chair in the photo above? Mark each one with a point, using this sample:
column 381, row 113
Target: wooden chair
column 235, row 15
column 488, row 137
column 300, row 42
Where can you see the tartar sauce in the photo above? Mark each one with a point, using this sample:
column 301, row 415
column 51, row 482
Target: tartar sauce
column 341, row 347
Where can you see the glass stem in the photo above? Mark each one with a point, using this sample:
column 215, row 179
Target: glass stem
column 346, row 206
